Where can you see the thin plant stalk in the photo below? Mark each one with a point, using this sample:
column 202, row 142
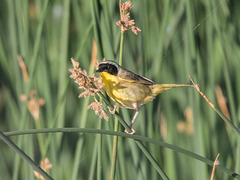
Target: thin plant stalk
column 226, row 120
column 116, row 126
column 40, row 139
column 99, row 160
column 134, row 137
column 24, row 156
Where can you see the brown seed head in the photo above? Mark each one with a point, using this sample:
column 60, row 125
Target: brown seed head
column 33, row 103
column 23, row 68
column 97, row 107
column 90, row 84
column 135, row 30
column 45, row 165
column 125, row 22
column 127, row 6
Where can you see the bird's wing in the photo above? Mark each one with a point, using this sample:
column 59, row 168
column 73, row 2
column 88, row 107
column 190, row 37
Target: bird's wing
column 129, row 76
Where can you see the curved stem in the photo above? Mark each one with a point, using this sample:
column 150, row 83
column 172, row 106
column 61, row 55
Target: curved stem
column 136, row 138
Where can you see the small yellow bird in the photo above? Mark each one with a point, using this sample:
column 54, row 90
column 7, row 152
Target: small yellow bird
column 128, row 89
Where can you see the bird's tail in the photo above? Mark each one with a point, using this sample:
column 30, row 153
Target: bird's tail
column 159, row 88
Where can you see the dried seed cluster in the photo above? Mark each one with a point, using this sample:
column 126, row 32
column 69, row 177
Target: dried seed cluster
column 90, row 84
column 125, row 22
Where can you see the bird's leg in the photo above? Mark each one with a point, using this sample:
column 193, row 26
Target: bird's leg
column 117, row 106
column 133, row 119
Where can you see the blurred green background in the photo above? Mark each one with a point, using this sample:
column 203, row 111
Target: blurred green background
column 178, row 38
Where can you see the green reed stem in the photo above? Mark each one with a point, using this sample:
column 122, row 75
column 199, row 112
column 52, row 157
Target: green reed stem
column 134, row 137
column 121, row 48
column 114, row 151
column 40, row 139
column 226, row 120
column 116, row 126
column 24, row 156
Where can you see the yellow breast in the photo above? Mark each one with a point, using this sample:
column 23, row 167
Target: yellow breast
column 126, row 93
column 109, row 82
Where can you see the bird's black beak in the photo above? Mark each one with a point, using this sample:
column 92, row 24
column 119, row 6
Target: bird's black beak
column 100, row 68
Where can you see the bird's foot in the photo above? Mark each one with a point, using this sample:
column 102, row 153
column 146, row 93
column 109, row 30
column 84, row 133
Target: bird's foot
column 132, row 131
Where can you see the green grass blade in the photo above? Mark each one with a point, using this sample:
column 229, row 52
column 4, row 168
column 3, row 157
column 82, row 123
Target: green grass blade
column 135, row 137
column 24, row 156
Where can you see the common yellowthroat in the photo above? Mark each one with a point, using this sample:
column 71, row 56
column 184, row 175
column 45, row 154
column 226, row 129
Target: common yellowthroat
column 128, row 89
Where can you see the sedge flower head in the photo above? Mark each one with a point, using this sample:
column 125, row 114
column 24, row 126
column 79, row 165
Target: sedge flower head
column 45, row 165
column 90, row 84
column 125, row 22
